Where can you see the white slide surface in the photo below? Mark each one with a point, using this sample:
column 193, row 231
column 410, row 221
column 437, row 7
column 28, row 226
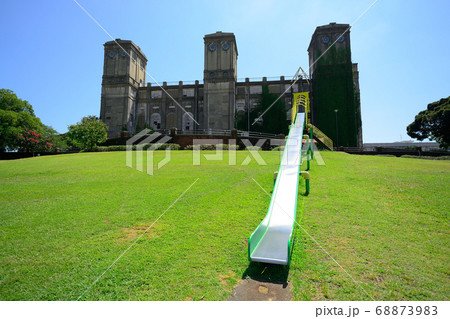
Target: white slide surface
column 270, row 242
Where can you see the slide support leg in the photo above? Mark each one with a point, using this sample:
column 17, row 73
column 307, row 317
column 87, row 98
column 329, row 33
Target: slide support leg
column 305, row 175
column 307, row 141
column 308, row 157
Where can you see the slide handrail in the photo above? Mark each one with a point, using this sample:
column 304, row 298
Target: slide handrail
column 321, row 136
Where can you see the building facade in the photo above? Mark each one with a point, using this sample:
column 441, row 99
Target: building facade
column 129, row 104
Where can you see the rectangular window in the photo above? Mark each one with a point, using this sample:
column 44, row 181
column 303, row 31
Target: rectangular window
column 188, row 92
column 156, row 94
column 240, row 91
column 256, row 89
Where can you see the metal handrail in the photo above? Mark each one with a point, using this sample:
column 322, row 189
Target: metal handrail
column 256, row 134
column 328, row 142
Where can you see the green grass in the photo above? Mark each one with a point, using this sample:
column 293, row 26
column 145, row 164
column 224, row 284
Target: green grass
column 386, row 222
column 65, row 219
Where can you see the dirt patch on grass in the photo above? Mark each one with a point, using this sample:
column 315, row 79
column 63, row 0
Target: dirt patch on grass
column 228, row 280
column 258, row 290
column 378, row 279
column 129, row 234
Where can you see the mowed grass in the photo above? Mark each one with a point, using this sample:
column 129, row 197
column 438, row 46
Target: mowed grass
column 385, row 220
column 64, row 220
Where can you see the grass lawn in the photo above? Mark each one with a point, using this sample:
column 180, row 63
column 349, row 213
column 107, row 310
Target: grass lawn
column 65, row 219
column 386, row 222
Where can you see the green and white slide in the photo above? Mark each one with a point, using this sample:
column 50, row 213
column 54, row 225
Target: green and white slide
column 272, row 239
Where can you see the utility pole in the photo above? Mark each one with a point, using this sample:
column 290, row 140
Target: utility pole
column 247, row 101
column 337, row 132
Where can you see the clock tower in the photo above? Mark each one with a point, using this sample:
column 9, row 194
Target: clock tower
column 124, row 70
column 335, row 106
column 219, row 80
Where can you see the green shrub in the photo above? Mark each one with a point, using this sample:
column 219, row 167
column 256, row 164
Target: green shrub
column 253, row 148
column 229, row 146
column 211, row 147
column 160, row 146
column 116, row 148
column 445, row 158
column 203, row 147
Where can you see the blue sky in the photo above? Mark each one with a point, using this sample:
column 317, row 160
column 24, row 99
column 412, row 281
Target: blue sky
column 52, row 52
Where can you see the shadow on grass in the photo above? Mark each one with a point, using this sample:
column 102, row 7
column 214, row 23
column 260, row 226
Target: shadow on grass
column 267, row 273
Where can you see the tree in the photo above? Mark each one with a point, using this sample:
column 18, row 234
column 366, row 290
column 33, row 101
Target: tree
column 88, row 133
column 57, row 140
column 16, row 117
column 433, row 123
column 31, row 141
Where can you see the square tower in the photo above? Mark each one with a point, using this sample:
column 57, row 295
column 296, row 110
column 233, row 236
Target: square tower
column 124, row 72
column 219, row 77
column 335, row 106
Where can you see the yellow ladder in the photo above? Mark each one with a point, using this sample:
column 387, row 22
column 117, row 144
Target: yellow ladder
column 302, row 99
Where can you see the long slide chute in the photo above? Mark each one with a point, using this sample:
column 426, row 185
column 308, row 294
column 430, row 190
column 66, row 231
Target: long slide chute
column 271, row 242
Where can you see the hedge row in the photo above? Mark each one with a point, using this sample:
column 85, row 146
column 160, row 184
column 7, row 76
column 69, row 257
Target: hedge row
column 175, row 147
column 157, row 146
column 211, row 147
column 445, row 158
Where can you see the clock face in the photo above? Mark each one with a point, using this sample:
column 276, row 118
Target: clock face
column 123, row 53
column 111, row 54
column 325, row 39
column 212, row 47
column 225, row 46
column 341, row 39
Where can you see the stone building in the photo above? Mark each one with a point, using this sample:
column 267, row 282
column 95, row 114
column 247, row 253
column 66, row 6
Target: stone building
column 129, row 104
column 336, row 108
column 124, row 73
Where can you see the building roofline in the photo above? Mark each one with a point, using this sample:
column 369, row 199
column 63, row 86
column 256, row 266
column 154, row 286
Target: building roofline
column 331, row 25
column 221, row 34
column 120, row 42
